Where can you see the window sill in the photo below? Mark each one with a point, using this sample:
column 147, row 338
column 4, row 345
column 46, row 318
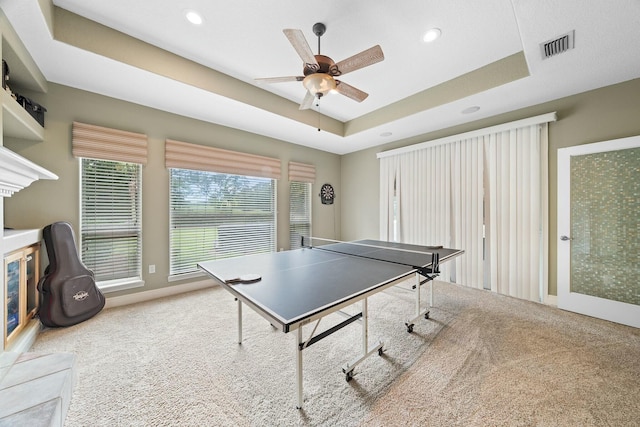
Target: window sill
column 120, row 284
column 186, row 276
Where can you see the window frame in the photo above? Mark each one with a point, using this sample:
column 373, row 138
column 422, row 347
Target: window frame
column 309, row 203
column 175, row 272
column 113, row 285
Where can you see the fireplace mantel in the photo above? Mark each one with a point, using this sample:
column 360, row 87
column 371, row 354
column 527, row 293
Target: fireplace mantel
column 17, row 173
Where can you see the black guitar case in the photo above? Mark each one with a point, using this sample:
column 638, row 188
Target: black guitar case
column 68, row 288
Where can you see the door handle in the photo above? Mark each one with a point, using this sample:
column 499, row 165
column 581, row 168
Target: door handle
column 565, row 238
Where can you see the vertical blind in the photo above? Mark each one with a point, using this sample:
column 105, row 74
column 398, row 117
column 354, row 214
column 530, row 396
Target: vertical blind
column 222, row 204
column 485, row 192
column 111, row 186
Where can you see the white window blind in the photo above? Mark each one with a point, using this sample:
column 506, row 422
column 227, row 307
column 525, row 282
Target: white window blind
column 301, row 177
column 299, row 212
column 218, row 215
column 111, row 229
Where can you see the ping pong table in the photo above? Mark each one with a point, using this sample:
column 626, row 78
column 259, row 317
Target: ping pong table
column 297, row 287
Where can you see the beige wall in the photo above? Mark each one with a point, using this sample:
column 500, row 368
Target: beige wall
column 45, row 202
column 603, row 114
column 608, row 113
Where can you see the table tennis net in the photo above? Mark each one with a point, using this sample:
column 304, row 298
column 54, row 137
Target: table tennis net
column 425, row 258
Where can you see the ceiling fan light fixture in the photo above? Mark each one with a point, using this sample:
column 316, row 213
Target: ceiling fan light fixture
column 319, row 83
column 319, row 70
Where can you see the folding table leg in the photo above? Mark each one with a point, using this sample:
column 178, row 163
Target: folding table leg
column 420, row 313
column 431, row 293
column 365, row 326
column 239, row 321
column 418, row 288
column 366, row 351
column 298, row 351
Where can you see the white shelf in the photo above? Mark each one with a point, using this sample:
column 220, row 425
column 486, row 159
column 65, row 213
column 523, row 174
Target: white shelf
column 17, row 122
column 24, row 72
column 17, row 239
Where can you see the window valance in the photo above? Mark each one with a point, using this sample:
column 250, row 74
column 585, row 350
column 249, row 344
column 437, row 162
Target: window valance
column 302, row 172
column 184, row 155
column 97, row 142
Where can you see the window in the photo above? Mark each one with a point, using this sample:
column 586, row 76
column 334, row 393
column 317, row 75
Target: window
column 218, row 215
column 301, row 178
column 299, row 212
column 111, row 230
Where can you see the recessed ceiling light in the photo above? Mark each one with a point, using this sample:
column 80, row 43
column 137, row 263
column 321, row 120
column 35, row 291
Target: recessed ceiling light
column 194, row 17
column 431, row 35
column 470, row 110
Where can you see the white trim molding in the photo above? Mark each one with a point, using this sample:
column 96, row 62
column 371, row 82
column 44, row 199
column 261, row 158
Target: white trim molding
column 158, row 293
column 543, row 118
column 17, row 173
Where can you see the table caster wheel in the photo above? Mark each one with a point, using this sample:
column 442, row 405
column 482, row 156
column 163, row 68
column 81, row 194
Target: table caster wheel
column 426, row 315
column 348, row 376
column 410, row 328
column 380, row 351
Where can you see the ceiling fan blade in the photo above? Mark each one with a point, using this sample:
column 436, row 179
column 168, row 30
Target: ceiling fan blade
column 307, row 102
column 280, row 79
column 357, row 61
column 350, row 91
column 299, row 43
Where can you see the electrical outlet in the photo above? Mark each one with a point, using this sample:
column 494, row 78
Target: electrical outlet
column 152, row 268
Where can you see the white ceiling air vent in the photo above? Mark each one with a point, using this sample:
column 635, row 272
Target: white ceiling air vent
column 558, row 45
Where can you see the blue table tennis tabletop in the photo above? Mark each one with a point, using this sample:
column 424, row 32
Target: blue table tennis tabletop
column 299, row 284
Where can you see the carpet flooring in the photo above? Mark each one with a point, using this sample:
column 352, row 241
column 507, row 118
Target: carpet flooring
column 481, row 360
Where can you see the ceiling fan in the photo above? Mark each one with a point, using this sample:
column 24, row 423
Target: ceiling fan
column 320, row 70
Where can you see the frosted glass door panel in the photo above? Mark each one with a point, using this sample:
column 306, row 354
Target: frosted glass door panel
column 605, row 222
column 599, row 230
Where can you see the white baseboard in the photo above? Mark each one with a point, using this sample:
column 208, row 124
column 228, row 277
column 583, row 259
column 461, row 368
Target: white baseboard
column 551, row 300
column 27, row 337
column 158, row 293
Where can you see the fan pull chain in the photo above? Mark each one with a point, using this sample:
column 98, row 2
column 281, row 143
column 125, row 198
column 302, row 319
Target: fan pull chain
column 319, row 115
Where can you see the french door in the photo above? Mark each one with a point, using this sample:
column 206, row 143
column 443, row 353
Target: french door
column 599, row 230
